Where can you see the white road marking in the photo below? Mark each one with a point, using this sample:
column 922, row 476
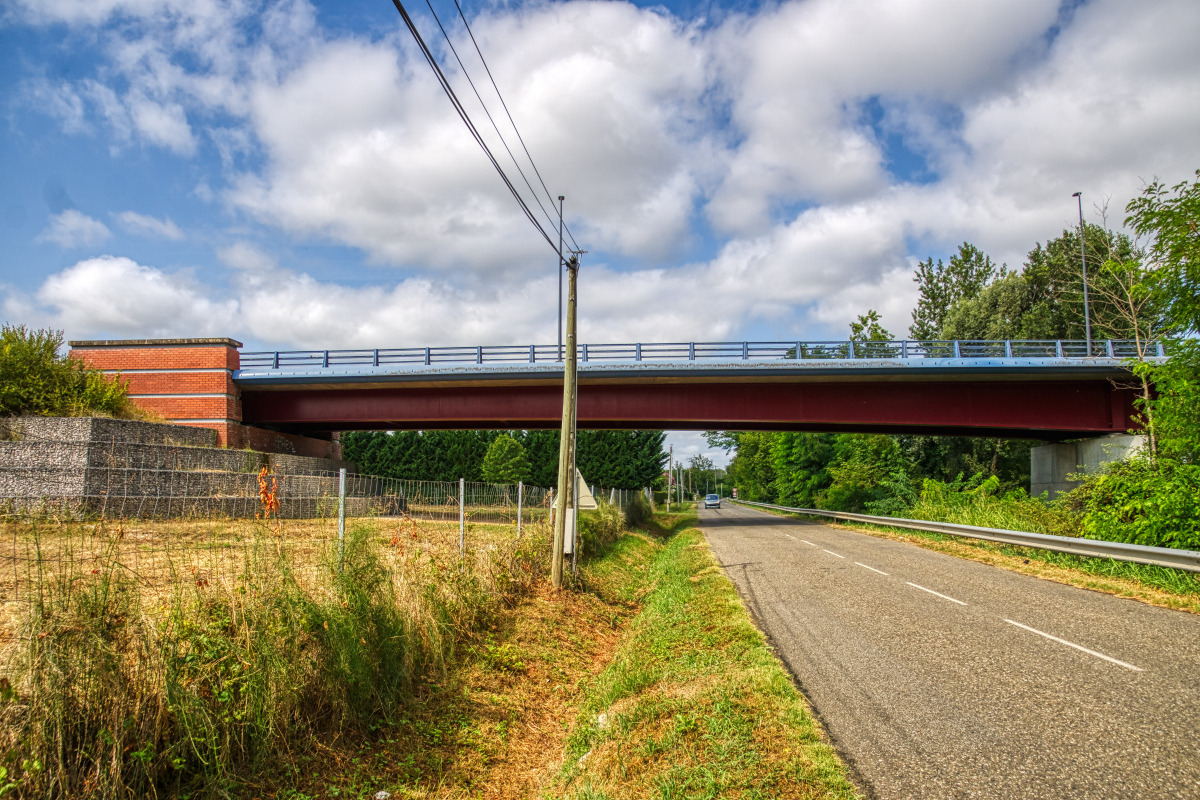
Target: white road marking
column 1077, row 647
column 807, row 542
column 881, row 572
column 939, row 594
column 793, row 538
column 832, row 553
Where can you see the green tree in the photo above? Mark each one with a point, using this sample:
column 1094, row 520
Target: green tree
column 753, row 467
column 868, row 329
column 801, row 463
column 940, row 286
column 621, row 459
column 1054, row 273
column 1172, row 219
column 36, row 379
column 505, row 461
column 1007, row 309
column 859, row 471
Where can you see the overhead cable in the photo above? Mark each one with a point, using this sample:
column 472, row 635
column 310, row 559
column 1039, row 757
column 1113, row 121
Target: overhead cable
column 496, row 128
column 465, row 117
column 513, row 122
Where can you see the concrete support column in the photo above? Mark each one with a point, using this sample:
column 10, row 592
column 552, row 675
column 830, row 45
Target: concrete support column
column 1051, row 464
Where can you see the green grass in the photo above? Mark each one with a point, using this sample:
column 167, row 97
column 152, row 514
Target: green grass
column 694, row 704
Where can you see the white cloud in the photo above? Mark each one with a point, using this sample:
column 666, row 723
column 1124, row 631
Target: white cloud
column 163, row 124
column 660, row 133
column 245, row 256
column 363, row 147
column 72, row 229
column 116, row 296
column 142, row 225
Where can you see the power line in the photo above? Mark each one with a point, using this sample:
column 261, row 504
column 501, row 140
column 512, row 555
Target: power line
column 496, row 128
column 465, row 117
column 511, row 121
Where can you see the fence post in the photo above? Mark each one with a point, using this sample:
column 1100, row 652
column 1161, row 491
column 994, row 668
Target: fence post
column 341, row 516
column 462, row 515
column 520, row 493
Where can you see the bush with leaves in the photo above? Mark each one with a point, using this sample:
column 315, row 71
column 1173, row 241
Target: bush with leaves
column 36, row 379
column 1143, row 501
column 638, row 512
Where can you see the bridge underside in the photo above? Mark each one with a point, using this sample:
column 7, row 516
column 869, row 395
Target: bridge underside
column 1047, row 410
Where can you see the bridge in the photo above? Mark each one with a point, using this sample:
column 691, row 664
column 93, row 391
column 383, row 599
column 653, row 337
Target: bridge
column 1049, row 390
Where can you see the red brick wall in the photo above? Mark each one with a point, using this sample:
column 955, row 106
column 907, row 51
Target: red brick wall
column 190, row 382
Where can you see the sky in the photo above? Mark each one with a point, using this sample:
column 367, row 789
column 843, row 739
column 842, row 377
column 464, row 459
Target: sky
column 290, row 174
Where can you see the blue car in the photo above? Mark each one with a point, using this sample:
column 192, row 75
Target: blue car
column 712, row 501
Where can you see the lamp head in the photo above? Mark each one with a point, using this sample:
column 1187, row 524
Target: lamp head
column 1077, row 194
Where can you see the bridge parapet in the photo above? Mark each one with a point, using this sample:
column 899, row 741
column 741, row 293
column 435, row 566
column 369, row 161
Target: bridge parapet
column 704, row 351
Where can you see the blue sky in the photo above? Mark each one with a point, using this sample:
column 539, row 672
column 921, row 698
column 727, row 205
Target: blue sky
column 289, row 174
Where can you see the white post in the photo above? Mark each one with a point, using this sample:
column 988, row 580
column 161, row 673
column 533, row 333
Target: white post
column 341, row 516
column 462, row 515
column 520, row 492
column 670, row 476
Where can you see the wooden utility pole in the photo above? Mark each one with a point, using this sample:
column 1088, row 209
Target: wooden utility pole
column 566, row 458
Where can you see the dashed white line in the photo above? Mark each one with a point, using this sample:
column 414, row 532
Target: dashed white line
column 864, row 566
column 793, row 538
column 832, row 553
column 1077, row 647
column 939, row 594
column 807, row 542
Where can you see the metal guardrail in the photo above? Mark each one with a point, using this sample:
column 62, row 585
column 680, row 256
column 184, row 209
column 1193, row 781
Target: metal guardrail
column 698, row 351
column 1188, row 560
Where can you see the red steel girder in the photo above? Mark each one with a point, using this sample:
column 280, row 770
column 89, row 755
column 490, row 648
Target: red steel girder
column 1032, row 409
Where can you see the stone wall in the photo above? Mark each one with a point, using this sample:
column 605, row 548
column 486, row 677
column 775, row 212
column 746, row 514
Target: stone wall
column 124, row 468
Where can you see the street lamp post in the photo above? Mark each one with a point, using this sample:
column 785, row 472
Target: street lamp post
column 1087, row 317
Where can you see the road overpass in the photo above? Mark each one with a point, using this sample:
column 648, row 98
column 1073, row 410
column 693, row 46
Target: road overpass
column 1049, row 390
column 1041, row 390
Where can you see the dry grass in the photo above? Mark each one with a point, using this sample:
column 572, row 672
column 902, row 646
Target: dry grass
column 496, row 726
column 159, row 658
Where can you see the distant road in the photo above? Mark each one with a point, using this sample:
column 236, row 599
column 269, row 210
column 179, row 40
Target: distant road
column 939, row 677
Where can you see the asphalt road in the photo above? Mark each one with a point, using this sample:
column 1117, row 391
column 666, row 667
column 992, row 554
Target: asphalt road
column 937, row 677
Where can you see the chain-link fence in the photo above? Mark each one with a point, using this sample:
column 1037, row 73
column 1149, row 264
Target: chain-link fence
column 125, row 481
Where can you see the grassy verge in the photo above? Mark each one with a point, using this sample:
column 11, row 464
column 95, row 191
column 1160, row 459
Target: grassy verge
column 192, row 659
column 694, row 704
column 1159, row 586
column 650, row 634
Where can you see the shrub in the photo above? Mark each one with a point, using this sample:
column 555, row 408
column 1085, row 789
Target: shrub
column 976, row 502
column 598, row 528
column 638, row 512
column 1140, row 501
column 505, row 461
column 35, row 379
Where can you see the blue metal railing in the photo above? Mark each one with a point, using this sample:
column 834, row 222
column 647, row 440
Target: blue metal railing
column 699, row 351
